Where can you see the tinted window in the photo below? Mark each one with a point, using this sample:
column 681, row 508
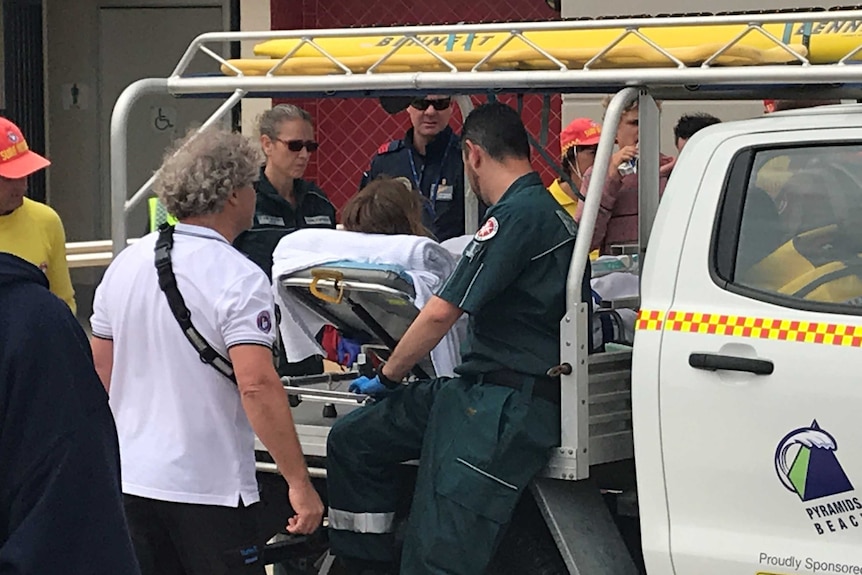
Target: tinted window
column 799, row 234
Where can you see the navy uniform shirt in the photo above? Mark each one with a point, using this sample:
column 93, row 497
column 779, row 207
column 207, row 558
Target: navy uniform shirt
column 511, row 280
column 439, row 175
column 275, row 217
column 61, row 504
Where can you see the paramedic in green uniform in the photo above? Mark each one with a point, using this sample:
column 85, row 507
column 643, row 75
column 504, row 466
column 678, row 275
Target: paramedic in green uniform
column 482, row 435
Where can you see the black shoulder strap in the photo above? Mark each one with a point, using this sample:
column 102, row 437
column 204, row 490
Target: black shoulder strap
column 168, row 283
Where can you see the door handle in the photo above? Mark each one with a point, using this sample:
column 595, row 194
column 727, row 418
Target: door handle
column 716, row 361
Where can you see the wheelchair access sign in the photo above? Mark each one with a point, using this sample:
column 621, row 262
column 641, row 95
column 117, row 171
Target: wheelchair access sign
column 163, row 119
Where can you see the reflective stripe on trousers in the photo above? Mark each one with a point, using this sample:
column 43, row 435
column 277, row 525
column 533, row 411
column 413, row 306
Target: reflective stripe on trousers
column 361, row 522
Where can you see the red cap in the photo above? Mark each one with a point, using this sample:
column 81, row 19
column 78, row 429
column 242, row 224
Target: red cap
column 16, row 159
column 580, row 132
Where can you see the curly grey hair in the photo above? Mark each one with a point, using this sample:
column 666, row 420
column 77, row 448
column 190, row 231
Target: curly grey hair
column 269, row 121
column 200, row 171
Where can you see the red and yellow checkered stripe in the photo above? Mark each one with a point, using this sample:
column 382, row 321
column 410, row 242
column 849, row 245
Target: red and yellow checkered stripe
column 754, row 327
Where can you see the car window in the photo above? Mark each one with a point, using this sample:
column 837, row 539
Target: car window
column 800, row 230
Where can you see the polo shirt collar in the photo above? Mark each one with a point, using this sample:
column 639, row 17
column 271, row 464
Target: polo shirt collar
column 199, row 232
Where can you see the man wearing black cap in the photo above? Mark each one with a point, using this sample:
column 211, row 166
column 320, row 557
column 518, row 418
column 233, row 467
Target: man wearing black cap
column 429, row 155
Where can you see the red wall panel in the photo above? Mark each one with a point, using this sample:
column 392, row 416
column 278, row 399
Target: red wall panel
column 351, row 130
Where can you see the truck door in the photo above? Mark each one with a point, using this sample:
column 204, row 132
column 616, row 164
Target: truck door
column 760, row 369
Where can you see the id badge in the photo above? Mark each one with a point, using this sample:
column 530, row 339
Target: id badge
column 445, row 193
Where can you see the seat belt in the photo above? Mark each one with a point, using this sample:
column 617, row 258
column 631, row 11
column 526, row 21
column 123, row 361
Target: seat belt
column 168, row 284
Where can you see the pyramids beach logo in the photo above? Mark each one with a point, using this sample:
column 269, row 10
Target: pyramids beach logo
column 806, row 463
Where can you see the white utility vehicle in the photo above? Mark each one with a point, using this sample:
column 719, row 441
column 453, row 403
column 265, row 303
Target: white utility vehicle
column 736, row 404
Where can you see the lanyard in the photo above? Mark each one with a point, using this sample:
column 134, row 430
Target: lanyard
column 417, row 176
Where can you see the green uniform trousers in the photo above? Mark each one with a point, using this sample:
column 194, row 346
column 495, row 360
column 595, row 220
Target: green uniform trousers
column 479, row 445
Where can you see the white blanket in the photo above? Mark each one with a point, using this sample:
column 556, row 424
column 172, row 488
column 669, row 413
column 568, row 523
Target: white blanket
column 457, row 245
column 424, row 260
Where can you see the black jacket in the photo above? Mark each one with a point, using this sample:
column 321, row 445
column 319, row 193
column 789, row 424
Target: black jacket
column 275, row 217
column 61, row 506
column 442, row 166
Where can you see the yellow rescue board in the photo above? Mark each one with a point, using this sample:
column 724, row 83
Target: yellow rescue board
column 691, row 45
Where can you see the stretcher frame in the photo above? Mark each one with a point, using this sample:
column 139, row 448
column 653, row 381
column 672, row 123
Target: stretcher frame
column 596, row 395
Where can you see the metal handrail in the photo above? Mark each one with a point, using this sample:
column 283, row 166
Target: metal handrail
column 91, row 254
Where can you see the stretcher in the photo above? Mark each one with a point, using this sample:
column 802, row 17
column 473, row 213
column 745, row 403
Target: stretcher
column 377, row 300
column 372, row 301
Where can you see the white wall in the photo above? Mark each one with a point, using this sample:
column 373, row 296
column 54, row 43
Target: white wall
column 72, row 56
column 76, row 177
column 254, row 17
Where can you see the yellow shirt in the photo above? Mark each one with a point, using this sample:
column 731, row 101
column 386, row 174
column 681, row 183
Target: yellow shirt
column 568, row 204
column 564, row 199
column 35, row 233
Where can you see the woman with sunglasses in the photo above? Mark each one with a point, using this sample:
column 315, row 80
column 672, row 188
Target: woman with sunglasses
column 429, row 156
column 285, row 202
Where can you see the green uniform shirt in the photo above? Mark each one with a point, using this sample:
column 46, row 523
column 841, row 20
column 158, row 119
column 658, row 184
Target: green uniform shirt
column 511, row 280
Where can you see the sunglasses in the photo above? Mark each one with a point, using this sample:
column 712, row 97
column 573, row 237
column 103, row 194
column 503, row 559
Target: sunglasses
column 298, row 145
column 439, row 105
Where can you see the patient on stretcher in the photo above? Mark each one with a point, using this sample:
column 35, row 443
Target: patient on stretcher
column 391, row 240
column 388, row 206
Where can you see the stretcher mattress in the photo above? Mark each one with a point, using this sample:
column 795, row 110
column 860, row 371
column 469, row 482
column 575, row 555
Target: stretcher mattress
column 821, row 43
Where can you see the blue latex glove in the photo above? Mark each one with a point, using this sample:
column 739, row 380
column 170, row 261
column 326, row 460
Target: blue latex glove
column 369, row 386
column 348, row 350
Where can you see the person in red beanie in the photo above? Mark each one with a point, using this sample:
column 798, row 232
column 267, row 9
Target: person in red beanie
column 578, row 143
column 28, row 229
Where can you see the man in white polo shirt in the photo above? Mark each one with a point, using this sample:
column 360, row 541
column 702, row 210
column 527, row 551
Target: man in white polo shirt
column 186, row 429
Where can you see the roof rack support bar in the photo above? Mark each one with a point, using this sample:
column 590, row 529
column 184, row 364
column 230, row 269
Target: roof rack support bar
column 587, row 224
column 410, row 39
column 849, row 56
column 597, row 58
column 541, row 51
column 495, row 51
column 120, row 150
column 212, row 54
column 310, row 41
column 679, row 63
column 226, row 107
column 286, row 57
column 649, row 128
column 144, row 190
column 738, row 38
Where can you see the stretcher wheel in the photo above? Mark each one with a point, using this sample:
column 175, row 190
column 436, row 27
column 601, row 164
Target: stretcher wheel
column 329, row 411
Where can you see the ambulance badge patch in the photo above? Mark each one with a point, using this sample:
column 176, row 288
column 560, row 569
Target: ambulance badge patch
column 488, row 230
column 264, row 321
